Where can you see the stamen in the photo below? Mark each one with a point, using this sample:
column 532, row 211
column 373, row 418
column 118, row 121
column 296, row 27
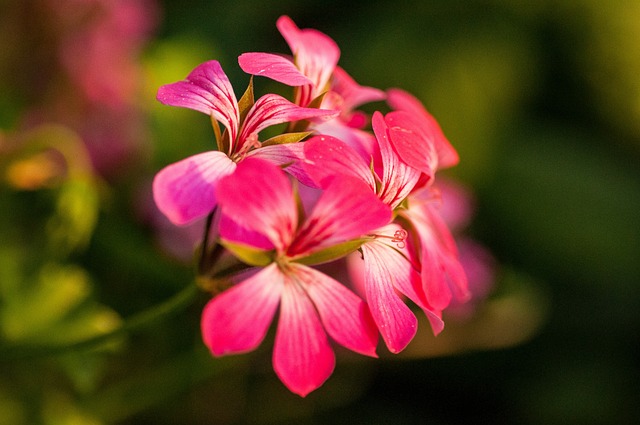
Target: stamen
column 399, row 238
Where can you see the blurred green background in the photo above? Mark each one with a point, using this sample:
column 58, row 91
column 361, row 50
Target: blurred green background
column 542, row 101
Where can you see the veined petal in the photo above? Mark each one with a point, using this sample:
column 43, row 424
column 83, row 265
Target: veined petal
column 414, row 145
column 396, row 322
column 289, row 156
column 272, row 109
column 393, row 261
column 398, row 178
column 327, row 157
column 316, row 55
column 346, row 210
column 186, row 190
column 238, row 319
column 207, row 89
column 403, row 101
column 344, row 315
column 302, row 356
column 258, row 196
column 276, row 67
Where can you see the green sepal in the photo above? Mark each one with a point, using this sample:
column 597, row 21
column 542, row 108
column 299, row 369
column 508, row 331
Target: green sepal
column 246, row 101
column 332, row 253
column 248, row 254
column 285, row 138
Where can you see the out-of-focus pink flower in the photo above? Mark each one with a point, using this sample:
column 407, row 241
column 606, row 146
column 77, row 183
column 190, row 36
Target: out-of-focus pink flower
column 186, row 190
column 312, row 304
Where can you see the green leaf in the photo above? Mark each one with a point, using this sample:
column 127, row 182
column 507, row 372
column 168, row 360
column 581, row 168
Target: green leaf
column 249, row 254
column 285, row 138
column 332, row 253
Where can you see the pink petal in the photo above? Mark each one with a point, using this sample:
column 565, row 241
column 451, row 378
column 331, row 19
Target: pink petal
column 346, row 210
column 403, row 101
column 326, row 157
column 398, row 179
column 272, row 109
column 344, row 315
column 185, row 191
column 353, row 93
column 414, row 146
column 316, row 56
column 289, row 156
column 231, row 231
column 276, row 67
column 206, row 89
column 396, row 322
column 238, row 319
column 302, row 356
column 258, row 196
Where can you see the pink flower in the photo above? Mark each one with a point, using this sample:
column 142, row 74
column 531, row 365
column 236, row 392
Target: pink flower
column 315, row 56
column 388, row 267
column 312, row 304
column 186, row 190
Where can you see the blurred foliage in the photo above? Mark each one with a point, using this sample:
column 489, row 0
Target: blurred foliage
column 542, row 100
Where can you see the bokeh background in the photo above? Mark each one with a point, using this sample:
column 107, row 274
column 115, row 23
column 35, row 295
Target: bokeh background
column 542, row 101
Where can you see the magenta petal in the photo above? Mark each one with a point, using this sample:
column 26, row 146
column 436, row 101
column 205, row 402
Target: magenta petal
column 302, row 356
column 327, row 157
column 238, row 319
column 344, row 315
column 185, row 191
column 272, row 109
column 207, row 89
column 403, row 101
column 396, row 322
column 347, row 209
column 414, row 145
column 276, row 67
column 258, row 196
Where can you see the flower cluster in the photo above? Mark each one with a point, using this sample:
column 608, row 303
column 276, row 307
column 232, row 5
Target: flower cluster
column 325, row 189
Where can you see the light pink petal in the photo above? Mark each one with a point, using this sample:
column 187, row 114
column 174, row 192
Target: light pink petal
column 345, row 316
column 394, row 257
column 185, row 191
column 396, row 322
column 272, row 109
column 302, row 356
column 258, row 196
column 327, row 157
column 398, row 179
column 316, row 56
column 276, row 67
column 403, row 101
column 346, row 210
column 414, row 146
column 237, row 320
column 207, row 89
column 353, row 93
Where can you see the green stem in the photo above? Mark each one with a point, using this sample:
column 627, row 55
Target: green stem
column 134, row 323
